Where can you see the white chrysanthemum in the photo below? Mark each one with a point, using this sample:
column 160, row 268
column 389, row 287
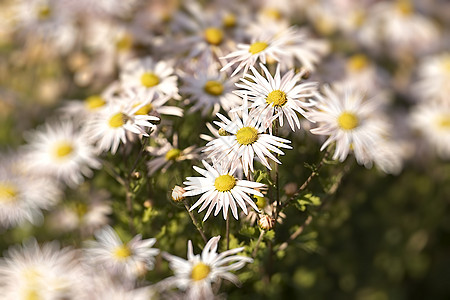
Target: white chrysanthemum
column 277, row 96
column 110, row 126
column 120, row 258
column 209, row 88
column 196, row 274
column 262, row 47
column 146, row 77
column 103, row 8
column 433, row 121
column 34, row 272
column 151, row 104
column 23, row 196
column 434, row 78
column 61, row 151
column 166, row 154
column 220, row 189
column 82, row 110
column 351, row 120
column 246, row 139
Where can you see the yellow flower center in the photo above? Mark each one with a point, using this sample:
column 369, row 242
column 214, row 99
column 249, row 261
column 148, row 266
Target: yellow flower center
column 124, row 43
column 229, row 20
column 173, row 154
column 8, row 192
column 32, row 294
column 405, row 7
column 276, row 98
column 224, row 183
column 122, row 252
column 81, row 209
column 257, row 47
column 272, row 13
column 246, row 135
column 149, row 79
column 444, row 122
column 358, row 62
column 62, row 149
column 200, row 271
column 348, row 121
column 44, row 12
column 213, row 88
column 93, row 102
column 117, row 120
column 144, row 110
column 213, row 35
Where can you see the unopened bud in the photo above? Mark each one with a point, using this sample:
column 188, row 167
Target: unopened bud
column 147, row 203
column 177, row 194
column 136, row 175
column 266, row 222
column 223, row 132
column 290, row 188
column 306, row 73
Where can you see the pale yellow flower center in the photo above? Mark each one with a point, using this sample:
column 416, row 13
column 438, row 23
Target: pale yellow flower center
column 405, row 7
column 149, row 79
column 44, row 12
column 348, row 121
column 257, row 47
column 8, row 192
column 357, row 62
column 229, row 20
column 444, row 122
column 94, row 102
column 173, row 154
column 213, row 35
column 32, row 294
column 276, row 98
column 81, row 209
column 200, row 271
column 117, row 120
column 62, row 149
column 144, row 110
column 124, row 43
column 272, row 13
column 246, row 135
column 213, row 88
column 224, row 183
column 446, row 64
column 122, row 252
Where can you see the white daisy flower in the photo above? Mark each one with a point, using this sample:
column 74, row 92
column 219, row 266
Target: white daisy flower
column 145, row 76
column 23, row 196
column 261, row 48
column 245, row 139
column 277, row 96
column 151, row 104
column 61, row 151
column 118, row 257
column 433, row 121
column 196, row 274
column 111, row 125
column 167, row 154
column 351, row 120
column 209, row 88
column 220, row 189
column 47, row 272
column 434, row 78
column 82, row 110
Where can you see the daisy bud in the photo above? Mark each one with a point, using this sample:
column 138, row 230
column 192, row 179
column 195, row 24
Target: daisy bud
column 290, row 189
column 306, row 73
column 266, row 222
column 177, row 194
column 147, row 203
column 136, row 175
column 222, row 132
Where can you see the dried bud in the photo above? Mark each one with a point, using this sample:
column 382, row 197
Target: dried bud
column 147, row 203
column 306, row 73
column 290, row 188
column 177, row 194
column 266, row 222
